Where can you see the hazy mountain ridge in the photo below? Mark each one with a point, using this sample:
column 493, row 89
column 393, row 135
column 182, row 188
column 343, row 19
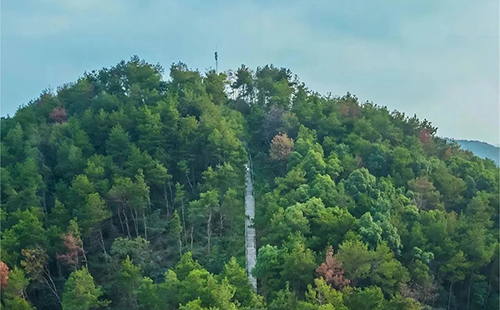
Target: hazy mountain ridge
column 481, row 149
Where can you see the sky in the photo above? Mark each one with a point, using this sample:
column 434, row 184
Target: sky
column 438, row 59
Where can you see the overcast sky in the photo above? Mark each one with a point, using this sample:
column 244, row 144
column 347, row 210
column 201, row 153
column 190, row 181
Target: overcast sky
column 436, row 58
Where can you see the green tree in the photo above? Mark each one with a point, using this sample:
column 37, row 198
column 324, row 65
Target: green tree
column 27, row 232
column 117, row 145
column 95, row 212
column 268, row 267
column 129, row 281
column 298, row 264
column 80, row 292
column 370, row 298
column 237, row 277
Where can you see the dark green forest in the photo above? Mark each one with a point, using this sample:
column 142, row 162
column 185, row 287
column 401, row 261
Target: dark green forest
column 125, row 190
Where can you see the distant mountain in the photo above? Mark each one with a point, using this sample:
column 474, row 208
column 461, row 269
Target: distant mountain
column 481, row 149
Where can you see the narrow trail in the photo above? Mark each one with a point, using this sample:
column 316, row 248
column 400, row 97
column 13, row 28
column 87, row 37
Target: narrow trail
column 250, row 246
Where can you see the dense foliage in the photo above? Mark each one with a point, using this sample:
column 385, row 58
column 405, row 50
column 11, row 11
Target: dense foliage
column 125, row 190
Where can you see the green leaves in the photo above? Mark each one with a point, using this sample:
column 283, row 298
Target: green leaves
column 378, row 267
column 80, row 292
column 117, row 145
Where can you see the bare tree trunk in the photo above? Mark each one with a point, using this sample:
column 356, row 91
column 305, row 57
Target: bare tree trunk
column 172, row 202
column 189, row 181
column 133, row 222
column 184, row 222
column 120, row 217
column 51, row 285
column 487, row 295
column 44, row 203
column 126, row 223
column 449, row 296
column 101, row 243
column 180, row 245
column 221, row 220
column 194, row 174
column 192, row 229
column 58, row 268
column 136, row 221
column 145, row 225
column 468, row 295
column 84, row 256
column 209, row 232
column 165, row 196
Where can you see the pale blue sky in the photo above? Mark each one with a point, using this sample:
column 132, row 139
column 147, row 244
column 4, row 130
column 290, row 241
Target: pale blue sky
column 435, row 58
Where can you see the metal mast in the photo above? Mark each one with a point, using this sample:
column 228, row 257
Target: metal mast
column 216, row 61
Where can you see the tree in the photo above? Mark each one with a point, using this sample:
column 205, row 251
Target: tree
column 203, row 211
column 175, row 228
column 285, row 299
column 237, row 277
column 117, row 144
column 27, row 232
column 399, row 302
column 17, row 283
column 298, row 264
column 149, row 126
column 281, row 147
column 322, row 296
column 387, row 272
column 58, row 115
column 131, row 198
column 95, row 213
column 148, row 295
column 370, row 231
column 129, row 281
column 138, row 249
column 17, row 303
column 455, row 270
column 331, row 270
column 185, row 266
column 244, row 80
column 215, row 86
column 74, row 249
column 426, row 294
column 80, row 292
column 268, row 267
column 357, row 260
column 4, row 275
column 35, row 262
column 426, row 196
column 14, row 293
column 370, row 298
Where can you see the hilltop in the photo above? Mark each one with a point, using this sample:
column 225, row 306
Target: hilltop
column 126, row 190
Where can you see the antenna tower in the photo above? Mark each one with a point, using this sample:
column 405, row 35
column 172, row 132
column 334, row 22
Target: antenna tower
column 216, row 61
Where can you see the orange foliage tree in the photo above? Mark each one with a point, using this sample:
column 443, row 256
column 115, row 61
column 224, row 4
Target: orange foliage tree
column 332, row 271
column 281, row 147
column 4, row 275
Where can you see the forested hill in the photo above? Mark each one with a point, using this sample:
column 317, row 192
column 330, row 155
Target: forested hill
column 125, row 190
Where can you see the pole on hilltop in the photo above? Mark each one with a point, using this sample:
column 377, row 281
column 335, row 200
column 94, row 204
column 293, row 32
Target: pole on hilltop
column 216, row 61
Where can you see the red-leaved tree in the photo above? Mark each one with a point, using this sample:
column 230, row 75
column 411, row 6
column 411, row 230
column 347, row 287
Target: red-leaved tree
column 424, row 135
column 74, row 250
column 4, row 275
column 58, row 115
column 332, row 271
